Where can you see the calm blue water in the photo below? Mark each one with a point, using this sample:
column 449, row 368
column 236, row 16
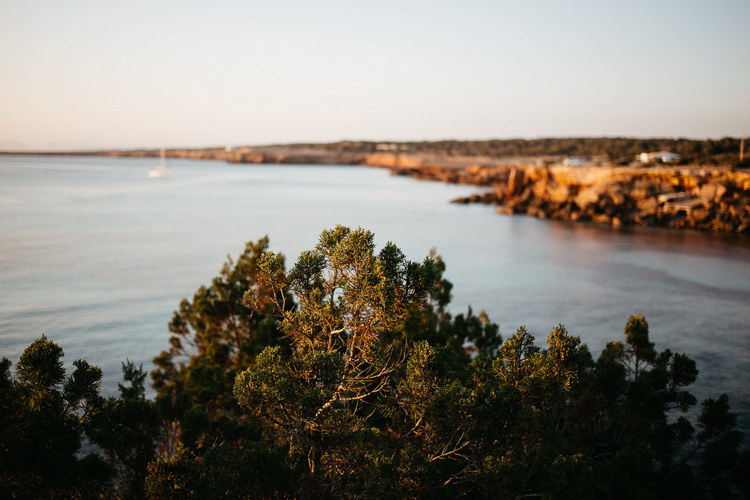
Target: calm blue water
column 96, row 255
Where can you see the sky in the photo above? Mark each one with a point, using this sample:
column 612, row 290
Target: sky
column 98, row 75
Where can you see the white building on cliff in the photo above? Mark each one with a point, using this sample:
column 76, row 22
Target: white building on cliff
column 659, row 156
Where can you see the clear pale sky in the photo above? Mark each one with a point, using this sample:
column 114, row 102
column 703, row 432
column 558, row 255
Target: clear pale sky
column 119, row 74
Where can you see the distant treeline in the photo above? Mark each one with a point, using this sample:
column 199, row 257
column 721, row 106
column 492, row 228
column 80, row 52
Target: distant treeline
column 711, row 152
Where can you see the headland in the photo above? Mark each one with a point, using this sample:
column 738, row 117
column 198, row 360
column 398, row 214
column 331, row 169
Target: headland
column 704, row 187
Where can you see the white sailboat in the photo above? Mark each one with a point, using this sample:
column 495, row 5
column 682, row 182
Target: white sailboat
column 160, row 172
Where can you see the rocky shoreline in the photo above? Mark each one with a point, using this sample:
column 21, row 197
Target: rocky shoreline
column 686, row 196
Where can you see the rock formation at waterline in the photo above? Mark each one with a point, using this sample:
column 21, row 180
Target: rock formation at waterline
column 699, row 198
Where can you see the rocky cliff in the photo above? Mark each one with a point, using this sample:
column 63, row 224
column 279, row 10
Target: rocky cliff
column 700, row 198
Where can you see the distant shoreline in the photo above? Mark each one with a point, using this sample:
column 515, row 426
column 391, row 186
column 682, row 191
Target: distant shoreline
column 708, row 198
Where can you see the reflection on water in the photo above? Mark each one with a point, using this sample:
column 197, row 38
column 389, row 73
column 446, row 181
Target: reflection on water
column 716, row 261
column 97, row 256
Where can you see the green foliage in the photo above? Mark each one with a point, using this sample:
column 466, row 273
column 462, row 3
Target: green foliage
column 40, row 366
column 313, row 398
column 467, row 335
column 214, row 338
column 173, row 477
column 43, row 419
column 516, row 357
column 638, row 351
column 127, row 428
column 364, row 386
column 254, row 471
column 467, row 414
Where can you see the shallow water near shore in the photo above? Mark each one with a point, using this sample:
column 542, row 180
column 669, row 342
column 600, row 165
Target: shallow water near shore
column 96, row 255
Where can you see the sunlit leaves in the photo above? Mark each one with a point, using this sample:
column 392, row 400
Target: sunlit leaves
column 41, row 365
column 639, row 351
column 516, row 357
column 348, row 299
column 380, row 392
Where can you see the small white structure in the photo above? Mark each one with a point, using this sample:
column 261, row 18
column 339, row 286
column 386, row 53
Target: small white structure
column 573, row 161
column 659, row 156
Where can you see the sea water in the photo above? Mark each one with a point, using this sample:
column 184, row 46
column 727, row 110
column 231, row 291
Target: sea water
column 97, row 256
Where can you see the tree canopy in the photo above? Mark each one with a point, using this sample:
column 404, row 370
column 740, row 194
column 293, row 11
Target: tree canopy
column 346, row 376
column 43, row 416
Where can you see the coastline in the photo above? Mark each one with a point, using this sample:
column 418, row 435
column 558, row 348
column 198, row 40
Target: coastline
column 686, row 197
column 706, row 198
